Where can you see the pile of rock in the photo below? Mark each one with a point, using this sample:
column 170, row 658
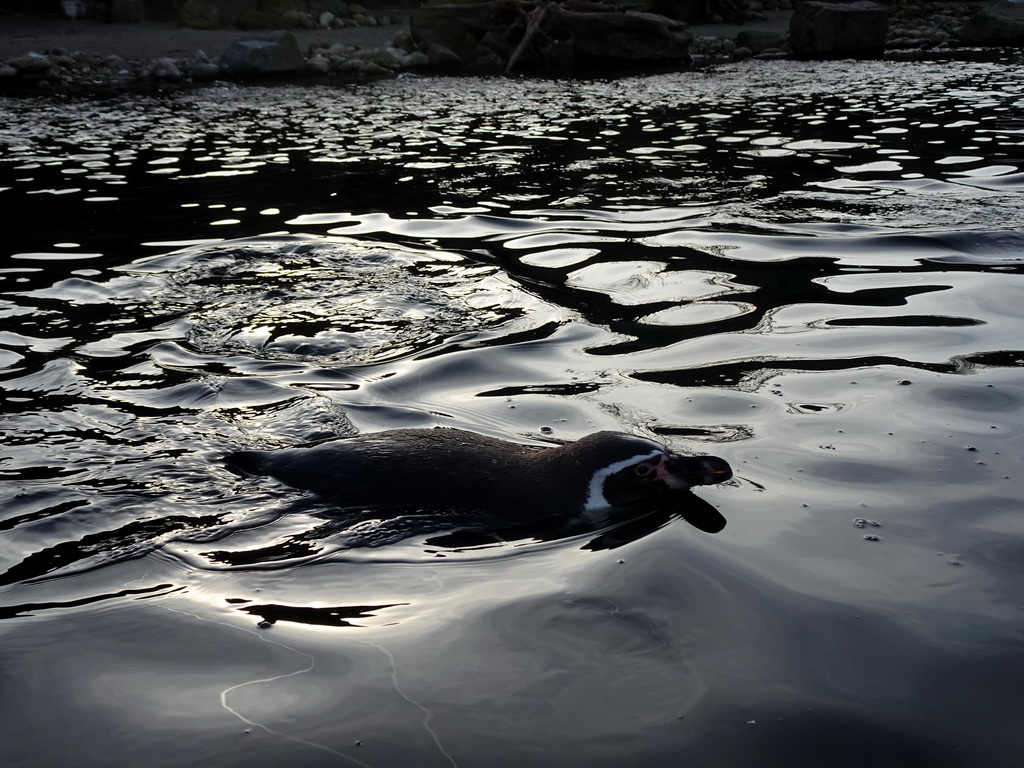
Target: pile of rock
column 63, row 69
column 484, row 36
column 916, row 25
column 278, row 53
column 351, row 61
column 765, row 44
column 249, row 57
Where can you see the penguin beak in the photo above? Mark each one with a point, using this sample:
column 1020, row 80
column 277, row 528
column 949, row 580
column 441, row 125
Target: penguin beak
column 682, row 472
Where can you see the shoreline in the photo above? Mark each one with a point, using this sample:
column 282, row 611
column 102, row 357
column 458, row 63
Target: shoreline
column 88, row 54
column 26, row 34
column 149, row 40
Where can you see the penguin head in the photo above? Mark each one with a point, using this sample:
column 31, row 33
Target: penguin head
column 633, row 470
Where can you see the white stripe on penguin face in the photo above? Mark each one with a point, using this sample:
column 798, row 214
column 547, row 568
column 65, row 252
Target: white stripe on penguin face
column 595, row 492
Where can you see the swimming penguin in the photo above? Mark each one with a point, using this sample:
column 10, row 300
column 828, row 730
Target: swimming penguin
column 453, row 469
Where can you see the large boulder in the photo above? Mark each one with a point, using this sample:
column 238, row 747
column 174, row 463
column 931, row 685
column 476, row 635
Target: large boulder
column 835, row 30
column 998, row 24
column 271, row 54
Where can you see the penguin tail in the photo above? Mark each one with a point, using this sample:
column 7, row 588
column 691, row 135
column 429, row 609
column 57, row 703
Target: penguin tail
column 247, row 462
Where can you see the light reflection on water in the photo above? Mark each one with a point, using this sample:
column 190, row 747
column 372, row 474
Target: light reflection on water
column 812, row 267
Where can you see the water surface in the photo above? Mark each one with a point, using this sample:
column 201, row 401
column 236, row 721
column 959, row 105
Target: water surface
column 812, row 270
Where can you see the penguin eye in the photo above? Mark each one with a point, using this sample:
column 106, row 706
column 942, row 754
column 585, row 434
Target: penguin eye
column 643, row 470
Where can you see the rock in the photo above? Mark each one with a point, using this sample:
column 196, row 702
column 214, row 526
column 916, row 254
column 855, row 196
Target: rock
column 442, row 57
column 403, row 40
column 384, row 58
column 371, row 69
column 417, row 60
column 498, row 43
column 485, row 62
column 64, row 61
column 30, row 65
column 998, row 24
column 742, row 53
column 298, row 20
column 355, row 8
column 325, row 19
column 164, row 69
column 198, row 14
column 204, row 70
column 363, row 68
column 832, row 30
column 361, row 19
column 351, row 67
column 274, row 53
column 318, row 65
column 7, row 72
column 453, row 28
column 760, row 40
column 90, row 59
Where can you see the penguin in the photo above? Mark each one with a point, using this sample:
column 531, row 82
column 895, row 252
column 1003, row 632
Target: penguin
column 457, row 470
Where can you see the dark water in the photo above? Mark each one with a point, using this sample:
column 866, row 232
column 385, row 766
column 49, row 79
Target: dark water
column 814, row 271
